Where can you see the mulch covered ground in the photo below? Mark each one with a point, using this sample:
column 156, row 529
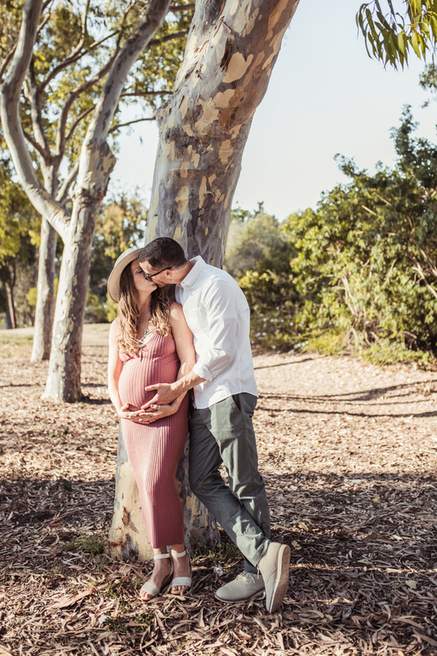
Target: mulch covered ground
column 349, row 453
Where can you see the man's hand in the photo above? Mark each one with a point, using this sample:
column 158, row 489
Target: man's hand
column 165, row 394
column 155, row 412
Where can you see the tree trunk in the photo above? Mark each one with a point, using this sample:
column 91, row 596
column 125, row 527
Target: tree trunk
column 127, row 536
column 9, row 284
column 203, row 127
column 45, row 302
column 63, row 380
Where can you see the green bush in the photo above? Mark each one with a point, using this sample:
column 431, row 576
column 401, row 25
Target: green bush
column 358, row 272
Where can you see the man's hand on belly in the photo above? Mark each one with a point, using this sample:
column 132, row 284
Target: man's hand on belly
column 165, row 394
column 155, row 412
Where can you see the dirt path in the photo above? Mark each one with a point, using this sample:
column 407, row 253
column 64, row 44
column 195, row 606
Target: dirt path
column 349, row 455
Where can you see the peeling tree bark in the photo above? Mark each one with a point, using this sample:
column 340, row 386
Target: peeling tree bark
column 229, row 57
column 45, row 303
column 203, row 128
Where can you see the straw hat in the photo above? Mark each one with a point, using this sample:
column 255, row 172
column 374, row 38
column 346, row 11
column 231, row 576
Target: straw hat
column 114, row 279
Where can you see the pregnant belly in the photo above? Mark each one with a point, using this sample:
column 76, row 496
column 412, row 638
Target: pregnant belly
column 137, row 374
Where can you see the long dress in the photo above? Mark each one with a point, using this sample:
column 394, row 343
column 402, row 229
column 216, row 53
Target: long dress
column 154, row 449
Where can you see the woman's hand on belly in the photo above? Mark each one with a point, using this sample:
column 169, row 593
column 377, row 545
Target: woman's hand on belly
column 132, row 415
column 155, row 412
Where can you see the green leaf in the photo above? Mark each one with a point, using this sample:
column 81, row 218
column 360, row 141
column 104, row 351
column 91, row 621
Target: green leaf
column 415, row 43
column 402, row 42
column 433, row 24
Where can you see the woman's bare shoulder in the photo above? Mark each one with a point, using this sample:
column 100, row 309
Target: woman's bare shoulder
column 114, row 328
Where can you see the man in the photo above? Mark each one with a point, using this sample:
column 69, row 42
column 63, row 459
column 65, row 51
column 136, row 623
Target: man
column 220, row 427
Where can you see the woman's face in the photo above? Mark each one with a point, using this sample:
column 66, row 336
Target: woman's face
column 141, row 285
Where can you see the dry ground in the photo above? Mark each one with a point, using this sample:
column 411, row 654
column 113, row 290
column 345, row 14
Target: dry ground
column 348, row 451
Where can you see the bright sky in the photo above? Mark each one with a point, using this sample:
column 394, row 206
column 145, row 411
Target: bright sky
column 325, row 97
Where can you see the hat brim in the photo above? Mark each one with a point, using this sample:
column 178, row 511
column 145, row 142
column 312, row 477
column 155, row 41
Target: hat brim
column 114, row 279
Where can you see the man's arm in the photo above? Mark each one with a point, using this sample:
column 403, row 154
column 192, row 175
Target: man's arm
column 222, row 318
column 168, row 392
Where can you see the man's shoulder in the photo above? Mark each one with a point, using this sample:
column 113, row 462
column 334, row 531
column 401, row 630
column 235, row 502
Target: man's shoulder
column 213, row 274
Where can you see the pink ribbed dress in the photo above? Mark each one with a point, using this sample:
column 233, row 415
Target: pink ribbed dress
column 154, row 449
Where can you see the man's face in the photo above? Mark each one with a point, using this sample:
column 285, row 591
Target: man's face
column 160, row 277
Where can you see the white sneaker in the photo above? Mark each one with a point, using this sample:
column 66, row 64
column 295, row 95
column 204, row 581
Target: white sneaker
column 245, row 587
column 274, row 567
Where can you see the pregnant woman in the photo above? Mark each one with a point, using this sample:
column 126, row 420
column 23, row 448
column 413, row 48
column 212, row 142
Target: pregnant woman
column 150, row 342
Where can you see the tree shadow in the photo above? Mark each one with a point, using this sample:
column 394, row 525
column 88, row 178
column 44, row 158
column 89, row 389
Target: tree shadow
column 282, row 364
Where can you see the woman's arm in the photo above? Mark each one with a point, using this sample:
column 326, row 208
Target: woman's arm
column 183, row 338
column 115, row 366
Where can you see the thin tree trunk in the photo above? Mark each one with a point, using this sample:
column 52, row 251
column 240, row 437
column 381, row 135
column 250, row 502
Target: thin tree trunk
column 63, row 380
column 11, row 305
column 45, row 303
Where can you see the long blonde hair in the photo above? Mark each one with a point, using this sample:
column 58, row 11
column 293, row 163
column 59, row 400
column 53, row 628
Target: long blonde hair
column 129, row 313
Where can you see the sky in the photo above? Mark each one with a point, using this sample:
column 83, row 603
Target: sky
column 325, row 97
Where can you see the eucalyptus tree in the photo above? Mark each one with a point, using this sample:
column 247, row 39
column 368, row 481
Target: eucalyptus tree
column 204, row 125
column 393, row 31
column 65, row 80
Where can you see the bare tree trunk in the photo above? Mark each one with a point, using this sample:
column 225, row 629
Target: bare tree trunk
column 45, row 303
column 229, row 57
column 11, row 301
column 63, row 380
column 127, row 536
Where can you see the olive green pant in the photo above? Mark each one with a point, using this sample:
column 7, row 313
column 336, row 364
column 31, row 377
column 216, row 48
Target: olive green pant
column 224, row 433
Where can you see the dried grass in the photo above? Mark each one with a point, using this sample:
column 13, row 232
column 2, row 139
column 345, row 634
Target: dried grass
column 348, row 451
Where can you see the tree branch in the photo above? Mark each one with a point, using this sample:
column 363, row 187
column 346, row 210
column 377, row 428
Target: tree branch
column 123, row 125
column 11, row 53
column 137, row 41
column 34, row 97
column 77, row 121
column 177, row 8
column 10, row 90
column 144, row 94
column 72, row 96
column 35, row 145
column 421, row 273
column 5, row 64
column 168, row 37
column 63, row 191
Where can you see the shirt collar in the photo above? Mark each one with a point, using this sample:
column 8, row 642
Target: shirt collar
column 192, row 276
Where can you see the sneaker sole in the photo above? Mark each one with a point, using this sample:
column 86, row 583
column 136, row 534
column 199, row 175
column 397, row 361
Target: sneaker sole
column 239, row 601
column 280, row 586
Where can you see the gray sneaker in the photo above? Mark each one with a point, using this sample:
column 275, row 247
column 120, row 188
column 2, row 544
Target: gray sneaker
column 245, row 587
column 274, row 567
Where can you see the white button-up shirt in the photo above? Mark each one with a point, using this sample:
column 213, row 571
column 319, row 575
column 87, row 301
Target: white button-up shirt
column 218, row 315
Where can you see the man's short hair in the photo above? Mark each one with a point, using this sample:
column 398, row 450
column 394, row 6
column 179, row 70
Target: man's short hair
column 163, row 253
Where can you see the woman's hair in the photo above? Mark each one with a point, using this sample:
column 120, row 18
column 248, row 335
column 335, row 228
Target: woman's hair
column 129, row 314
